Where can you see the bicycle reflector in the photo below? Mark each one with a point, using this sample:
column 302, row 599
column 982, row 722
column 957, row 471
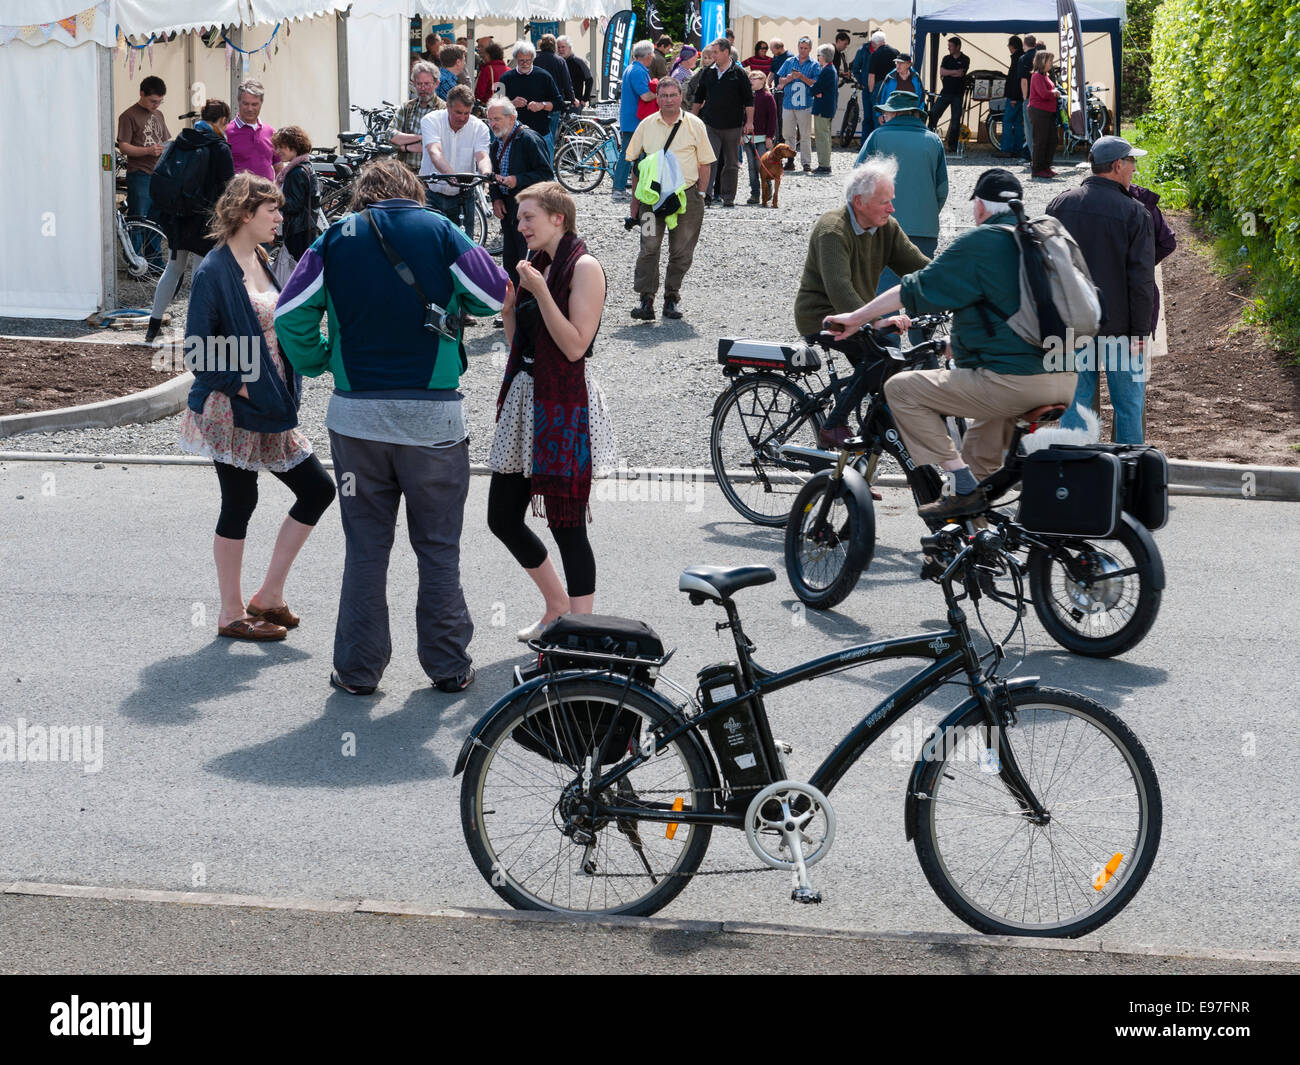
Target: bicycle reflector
column 671, row 832
column 1104, row 877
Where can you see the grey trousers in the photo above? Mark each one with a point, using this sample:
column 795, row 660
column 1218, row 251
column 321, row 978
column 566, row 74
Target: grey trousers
column 372, row 478
column 726, row 146
column 681, row 248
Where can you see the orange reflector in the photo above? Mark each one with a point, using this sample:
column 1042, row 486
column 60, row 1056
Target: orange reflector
column 672, row 825
column 1107, row 873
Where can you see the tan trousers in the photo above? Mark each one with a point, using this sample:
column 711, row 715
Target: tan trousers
column 920, row 399
column 800, row 123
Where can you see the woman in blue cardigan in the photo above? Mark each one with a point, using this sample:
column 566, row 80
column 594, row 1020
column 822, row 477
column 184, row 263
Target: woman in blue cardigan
column 243, row 407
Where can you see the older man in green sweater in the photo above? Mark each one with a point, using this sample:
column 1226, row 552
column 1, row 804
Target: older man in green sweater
column 998, row 375
column 847, row 251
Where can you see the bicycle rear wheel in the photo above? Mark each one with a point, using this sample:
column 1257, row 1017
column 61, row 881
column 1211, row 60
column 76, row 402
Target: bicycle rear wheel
column 580, row 166
column 757, row 416
column 1001, row 873
column 334, row 198
column 520, row 803
column 849, row 130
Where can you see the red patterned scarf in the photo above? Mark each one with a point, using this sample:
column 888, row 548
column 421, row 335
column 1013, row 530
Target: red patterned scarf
column 561, row 473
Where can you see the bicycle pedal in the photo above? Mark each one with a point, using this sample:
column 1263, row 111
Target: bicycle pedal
column 806, row 895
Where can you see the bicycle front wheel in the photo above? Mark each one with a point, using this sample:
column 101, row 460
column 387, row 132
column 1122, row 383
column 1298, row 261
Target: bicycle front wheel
column 759, row 415
column 580, row 166
column 849, row 130
column 997, row 869
column 825, row 556
column 488, row 229
column 523, row 812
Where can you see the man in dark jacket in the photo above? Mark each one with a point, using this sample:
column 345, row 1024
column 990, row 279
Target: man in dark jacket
column 725, row 104
column 1013, row 119
column 579, row 71
column 187, row 234
column 1115, row 233
column 548, row 60
column 533, row 91
column 519, row 159
column 952, row 92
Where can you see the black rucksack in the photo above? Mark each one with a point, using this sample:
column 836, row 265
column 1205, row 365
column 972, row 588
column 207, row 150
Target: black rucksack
column 177, row 185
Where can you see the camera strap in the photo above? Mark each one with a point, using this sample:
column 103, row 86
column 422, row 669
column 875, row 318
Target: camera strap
column 408, row 277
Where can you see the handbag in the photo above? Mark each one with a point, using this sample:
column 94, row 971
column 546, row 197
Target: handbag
column 283, row 267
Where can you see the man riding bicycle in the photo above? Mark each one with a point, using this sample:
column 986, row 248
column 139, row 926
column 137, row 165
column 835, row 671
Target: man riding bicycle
column 998, row 375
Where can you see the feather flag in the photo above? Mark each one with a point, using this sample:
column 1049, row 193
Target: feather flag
column 1071, row 35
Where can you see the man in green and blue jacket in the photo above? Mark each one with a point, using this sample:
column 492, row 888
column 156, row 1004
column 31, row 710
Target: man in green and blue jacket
column 395, row 421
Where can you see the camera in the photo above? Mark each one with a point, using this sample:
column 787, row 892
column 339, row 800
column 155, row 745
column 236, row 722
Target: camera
column 438, row 320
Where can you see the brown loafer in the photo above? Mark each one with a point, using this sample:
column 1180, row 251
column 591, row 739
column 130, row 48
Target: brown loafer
column 280, row 615
column 253, row 629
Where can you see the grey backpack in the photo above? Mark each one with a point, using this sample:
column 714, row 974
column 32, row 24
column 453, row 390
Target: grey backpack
column 1056, row 289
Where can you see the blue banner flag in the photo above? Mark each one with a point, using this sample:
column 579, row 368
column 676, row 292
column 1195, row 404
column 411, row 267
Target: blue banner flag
column 713, row 20
column 618, row 49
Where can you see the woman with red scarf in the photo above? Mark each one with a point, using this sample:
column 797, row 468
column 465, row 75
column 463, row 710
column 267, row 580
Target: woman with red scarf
column 552, row 426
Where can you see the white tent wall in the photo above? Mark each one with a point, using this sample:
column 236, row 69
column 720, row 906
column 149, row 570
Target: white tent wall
column 377, row 61
column 51, row 227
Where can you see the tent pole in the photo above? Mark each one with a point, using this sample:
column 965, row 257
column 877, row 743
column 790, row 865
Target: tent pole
column 934, row 60
column 471, row 58
column 593, row 49
column 236, row 68
column 195, row 104
column 341, row 51
column 107, row 181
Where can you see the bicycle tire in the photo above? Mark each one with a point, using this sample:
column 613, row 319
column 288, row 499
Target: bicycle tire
column 580, row 167
column 824, row 561
column 967, row 828
column 490, row 235
column 849, row 128
column 994, row 127
column 137, row 282
column 1103, row 618
column 758, row 486
column 334, row 199
column 511, row 799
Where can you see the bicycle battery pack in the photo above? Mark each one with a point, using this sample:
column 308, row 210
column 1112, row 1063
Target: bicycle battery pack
column 734, row 735
column 1072, row 491
column 737, row 354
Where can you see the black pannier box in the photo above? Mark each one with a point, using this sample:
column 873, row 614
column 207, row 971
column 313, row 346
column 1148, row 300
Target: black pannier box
column 737, row 354
column 1144, row 487
column 600, row 641
column 1071, row 491
column 568, row 729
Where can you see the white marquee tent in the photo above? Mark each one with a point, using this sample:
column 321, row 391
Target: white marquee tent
column 64, row 60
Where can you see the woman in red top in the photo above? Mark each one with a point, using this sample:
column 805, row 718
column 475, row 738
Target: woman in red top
column 1043, row 94
column 760, row 60
column 490, row 73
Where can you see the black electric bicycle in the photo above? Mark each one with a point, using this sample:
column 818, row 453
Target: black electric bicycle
column 763, row 442
column 1094, row 596
column 1034, row 811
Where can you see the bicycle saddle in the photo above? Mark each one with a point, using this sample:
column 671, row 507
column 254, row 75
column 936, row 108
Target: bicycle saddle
column 1049, row 412
column 719, row 582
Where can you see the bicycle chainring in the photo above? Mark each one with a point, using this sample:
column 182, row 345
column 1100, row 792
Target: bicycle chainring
column 790, row 823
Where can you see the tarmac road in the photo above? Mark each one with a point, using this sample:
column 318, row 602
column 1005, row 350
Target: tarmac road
column 223, row 764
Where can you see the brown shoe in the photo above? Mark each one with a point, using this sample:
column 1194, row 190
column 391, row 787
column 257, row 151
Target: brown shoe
column 253, row 629
column 277, row 615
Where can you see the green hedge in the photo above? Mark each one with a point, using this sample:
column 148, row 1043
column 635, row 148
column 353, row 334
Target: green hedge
column 1225, row 87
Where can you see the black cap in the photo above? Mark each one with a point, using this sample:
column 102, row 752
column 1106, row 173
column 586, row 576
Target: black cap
column 998, row 185
column 903, row 57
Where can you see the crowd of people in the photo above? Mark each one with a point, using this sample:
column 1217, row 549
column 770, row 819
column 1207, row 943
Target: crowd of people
column 380, row 300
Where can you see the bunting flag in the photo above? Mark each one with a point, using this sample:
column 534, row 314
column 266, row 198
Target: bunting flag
column 82, row 23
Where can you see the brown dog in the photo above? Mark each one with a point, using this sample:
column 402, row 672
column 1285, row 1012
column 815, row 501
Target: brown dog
column 769, row 169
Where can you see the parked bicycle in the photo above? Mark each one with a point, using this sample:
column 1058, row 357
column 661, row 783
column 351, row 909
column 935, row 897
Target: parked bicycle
column 1034, row 811
column 142, row 251
column 763, row 442
column 581, row 165
column 1095, row 595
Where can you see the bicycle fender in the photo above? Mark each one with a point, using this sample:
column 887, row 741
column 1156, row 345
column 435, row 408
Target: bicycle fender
column 857, row 484
column 912, row 804
column 528, row 687
column 1149, row 542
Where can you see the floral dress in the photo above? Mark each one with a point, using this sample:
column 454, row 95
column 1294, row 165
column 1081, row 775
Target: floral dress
column 213, row 433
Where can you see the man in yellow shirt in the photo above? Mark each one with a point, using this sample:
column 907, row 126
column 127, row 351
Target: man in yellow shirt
column 690, row 146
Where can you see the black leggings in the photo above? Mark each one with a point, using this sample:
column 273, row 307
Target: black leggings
column 508, row 497
column 308, row 481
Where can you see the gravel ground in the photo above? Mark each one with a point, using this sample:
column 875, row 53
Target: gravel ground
column 660, row 378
